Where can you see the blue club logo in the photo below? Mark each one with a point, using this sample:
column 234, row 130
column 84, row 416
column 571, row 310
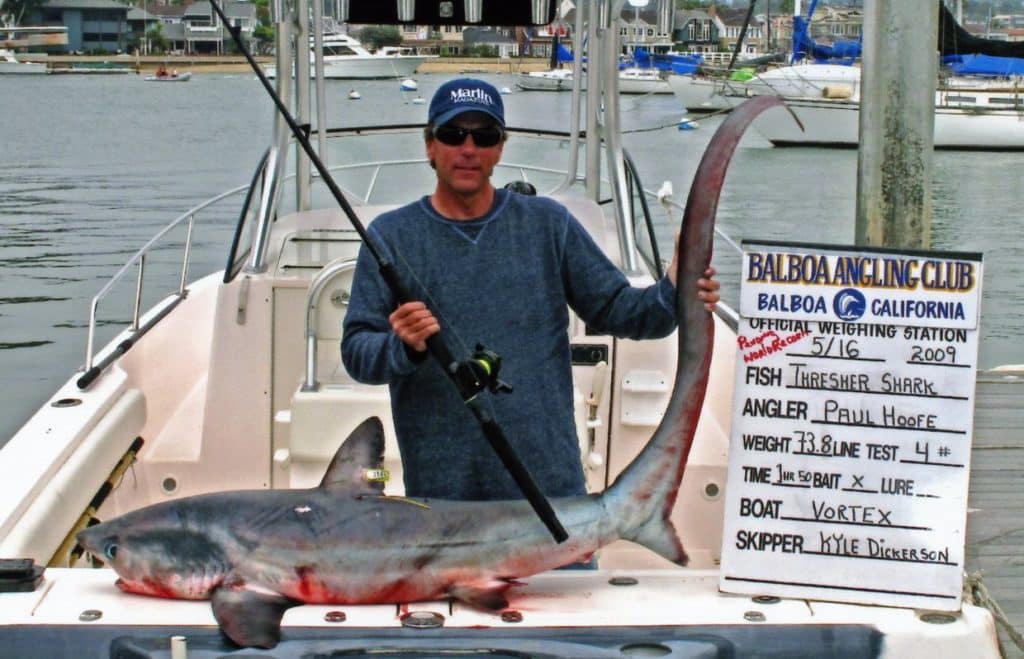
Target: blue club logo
column 849, row 304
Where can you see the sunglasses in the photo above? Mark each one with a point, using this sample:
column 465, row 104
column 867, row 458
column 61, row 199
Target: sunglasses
column 485, row 136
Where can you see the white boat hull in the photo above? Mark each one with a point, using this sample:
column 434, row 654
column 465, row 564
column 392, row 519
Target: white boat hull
column 20, row 68
column 642, row 82
column 698, row 94
column 631, row 81
column 643, row 87
column 178, row 77
column 367, row 68
column 836, row 123
column 546, row 81
column 704, row 94
column 807, row 81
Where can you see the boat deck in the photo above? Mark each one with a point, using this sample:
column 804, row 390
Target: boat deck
column 995, row 530
column 572, row 613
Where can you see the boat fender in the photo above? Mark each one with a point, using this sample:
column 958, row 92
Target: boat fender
column 837, row 91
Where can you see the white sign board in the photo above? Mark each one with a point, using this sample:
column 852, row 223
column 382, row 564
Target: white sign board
column 852, row 424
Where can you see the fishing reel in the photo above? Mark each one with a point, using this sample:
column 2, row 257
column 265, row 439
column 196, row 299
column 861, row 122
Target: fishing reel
column 479, row 372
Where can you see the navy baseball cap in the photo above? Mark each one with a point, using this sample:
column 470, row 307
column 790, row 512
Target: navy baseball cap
column 465, row 95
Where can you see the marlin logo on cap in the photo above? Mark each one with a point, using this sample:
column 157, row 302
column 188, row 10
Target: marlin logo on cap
column 465, row 95
column 471, row 96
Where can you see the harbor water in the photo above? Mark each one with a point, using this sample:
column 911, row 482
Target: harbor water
column 93, row 166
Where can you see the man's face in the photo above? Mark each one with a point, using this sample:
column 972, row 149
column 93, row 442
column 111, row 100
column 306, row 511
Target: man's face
column 464, row 169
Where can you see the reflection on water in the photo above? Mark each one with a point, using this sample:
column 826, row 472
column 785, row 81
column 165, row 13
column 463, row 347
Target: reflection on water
column 76, row 202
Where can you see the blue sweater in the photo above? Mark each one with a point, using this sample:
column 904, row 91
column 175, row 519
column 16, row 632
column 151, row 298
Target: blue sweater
column 506, row 281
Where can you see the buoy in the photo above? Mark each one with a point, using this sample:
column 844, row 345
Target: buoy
column 354, row 95
column 409, row 85
column 688, row 124
column 505, row 90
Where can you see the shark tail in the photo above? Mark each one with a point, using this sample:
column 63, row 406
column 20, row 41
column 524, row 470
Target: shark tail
column 660, row 536
column 642, row 498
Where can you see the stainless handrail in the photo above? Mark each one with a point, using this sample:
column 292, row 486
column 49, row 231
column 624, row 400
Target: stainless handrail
column 572, row 168
column 260, row 243
column 309, row 380
column 273, row 179
column 139, row 257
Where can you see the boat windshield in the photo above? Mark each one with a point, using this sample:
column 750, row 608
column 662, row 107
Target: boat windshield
column 338, row 50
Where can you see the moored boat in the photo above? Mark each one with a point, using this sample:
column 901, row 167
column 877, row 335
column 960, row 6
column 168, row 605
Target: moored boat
column 631, row 80
column 10, row 64
column 965, row 119
column 346, row 58
column 636, row 80
column 173, row 76
column 977, row 108
column 41, row 38
column 552, row 80
column 699, row 93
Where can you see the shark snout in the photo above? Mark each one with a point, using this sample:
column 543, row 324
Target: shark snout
column 95, row 540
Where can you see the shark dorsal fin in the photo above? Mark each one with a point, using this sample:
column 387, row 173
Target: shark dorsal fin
column 358, row 466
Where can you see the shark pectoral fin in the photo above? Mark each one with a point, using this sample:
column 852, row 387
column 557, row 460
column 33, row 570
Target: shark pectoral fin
column 482, row 595
column 250, row 618
column 358, row 466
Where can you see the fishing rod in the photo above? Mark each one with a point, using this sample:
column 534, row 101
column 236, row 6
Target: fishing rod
column 470, row 376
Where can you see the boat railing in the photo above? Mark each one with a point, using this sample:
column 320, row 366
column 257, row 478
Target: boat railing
column 260, row 184
column 310, row 381
column 138, row 260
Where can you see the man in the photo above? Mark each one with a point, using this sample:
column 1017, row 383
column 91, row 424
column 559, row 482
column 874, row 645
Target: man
column 498, row 268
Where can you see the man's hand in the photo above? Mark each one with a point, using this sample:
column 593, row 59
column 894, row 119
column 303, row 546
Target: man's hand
column 707, row 286
column 708, row 289
column 414, row 324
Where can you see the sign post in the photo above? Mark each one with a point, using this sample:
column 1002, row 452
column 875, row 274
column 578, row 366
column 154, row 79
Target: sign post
column 852, row 424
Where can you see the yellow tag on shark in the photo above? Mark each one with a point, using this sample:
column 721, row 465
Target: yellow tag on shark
column 377, row 475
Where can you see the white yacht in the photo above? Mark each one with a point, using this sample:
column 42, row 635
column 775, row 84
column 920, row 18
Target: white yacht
column 10, row 64
column 972, row 113
column 640, row 80
column 30, row 37
column 632, row 80
column 700, row 93
column 551, row 80
column 346, row 58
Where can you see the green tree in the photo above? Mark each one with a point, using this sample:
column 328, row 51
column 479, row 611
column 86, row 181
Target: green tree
column 376, row 36
column 264, row 32
column 482, row 50
column 157, row 40
column 15, row 11
column 264, row 35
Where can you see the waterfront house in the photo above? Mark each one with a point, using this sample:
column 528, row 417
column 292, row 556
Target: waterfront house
column 110, row 26
column 638, row 28
column 202, row 31
column 730, row 23
column 694, row 31
column 92, row 25
column 497, row 42
column 150, row 17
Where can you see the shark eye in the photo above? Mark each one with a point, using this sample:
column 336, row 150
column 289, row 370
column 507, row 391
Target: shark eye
column 110, row 550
